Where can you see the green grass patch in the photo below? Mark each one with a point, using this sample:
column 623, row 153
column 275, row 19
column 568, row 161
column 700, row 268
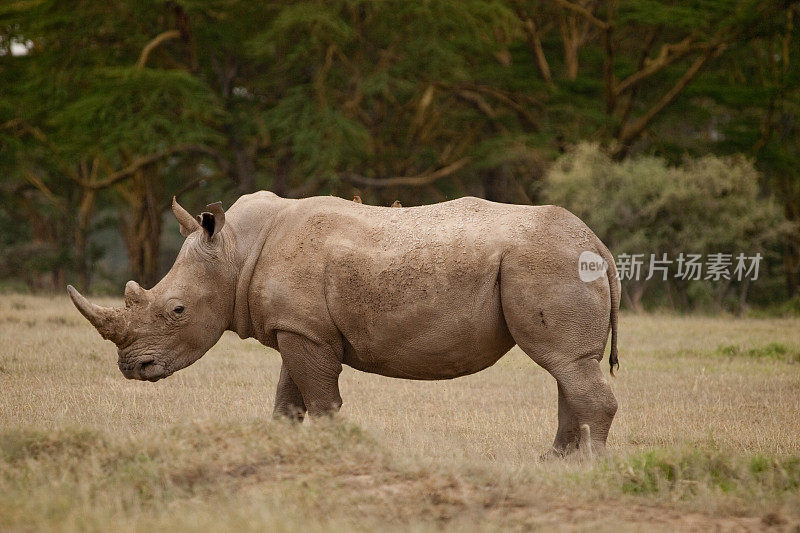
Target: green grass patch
column 773, row 350
column 686, row 475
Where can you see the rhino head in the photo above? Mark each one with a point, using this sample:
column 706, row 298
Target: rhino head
column 170, row 326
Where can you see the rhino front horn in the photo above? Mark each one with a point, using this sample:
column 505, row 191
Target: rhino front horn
column 106, row 320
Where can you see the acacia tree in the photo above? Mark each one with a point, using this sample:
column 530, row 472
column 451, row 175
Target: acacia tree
column 89, row 117
column 375, row 97
column 646, row 54
column 125, row 104
column 675, row 79
column 762, row 119
column 164, row 115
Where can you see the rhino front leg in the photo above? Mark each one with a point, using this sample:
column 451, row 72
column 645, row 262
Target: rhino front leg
column 315, row 369
column 288, row 400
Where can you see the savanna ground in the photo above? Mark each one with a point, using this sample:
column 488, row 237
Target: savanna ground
column 707, row 436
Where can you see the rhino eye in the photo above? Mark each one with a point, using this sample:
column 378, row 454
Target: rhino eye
column 178, row 309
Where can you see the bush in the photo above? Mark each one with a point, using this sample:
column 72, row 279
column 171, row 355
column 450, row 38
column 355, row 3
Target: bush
column 645, row 206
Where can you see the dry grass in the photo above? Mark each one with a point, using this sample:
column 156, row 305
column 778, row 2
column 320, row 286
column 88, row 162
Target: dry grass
column 706, row 435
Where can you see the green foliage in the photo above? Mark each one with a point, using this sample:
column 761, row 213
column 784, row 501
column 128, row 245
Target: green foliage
column 348, row 77
column 645, row 205
column 138, row 111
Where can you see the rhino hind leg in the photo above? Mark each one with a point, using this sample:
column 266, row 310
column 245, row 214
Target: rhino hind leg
column 562, row 324
column 315, row 369
column 567, row 435
column 289, row 403
column 586, row 408
column 591, row 402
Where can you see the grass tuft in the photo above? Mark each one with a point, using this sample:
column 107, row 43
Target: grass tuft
column 17, row 446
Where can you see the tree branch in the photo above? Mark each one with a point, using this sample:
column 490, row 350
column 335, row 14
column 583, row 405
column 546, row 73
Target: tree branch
column 609, row 78
column 410, row 181
column 37, row 182
column 535, row 45
column 669, row 54
column 501, row 96
column 185, row 28
column 186, row 188
column 582, row 11
column 23, row 125
column 479, row 102
column 633, row 132
column 321, row 75
column 149, row 47
column 40, row 136
column 628, row 103
column 143, row 161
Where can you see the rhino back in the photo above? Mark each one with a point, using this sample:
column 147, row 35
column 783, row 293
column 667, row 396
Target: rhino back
column 410, row 292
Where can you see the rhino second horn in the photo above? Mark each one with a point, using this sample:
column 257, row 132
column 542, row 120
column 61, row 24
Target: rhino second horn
column 108, row 321
column 134, row 294
column 187, row 222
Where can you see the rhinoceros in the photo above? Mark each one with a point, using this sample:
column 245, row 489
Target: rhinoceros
column 426, row 293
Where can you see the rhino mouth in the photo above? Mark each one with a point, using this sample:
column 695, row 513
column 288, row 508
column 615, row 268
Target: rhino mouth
column 142, row 368
column 152, row 372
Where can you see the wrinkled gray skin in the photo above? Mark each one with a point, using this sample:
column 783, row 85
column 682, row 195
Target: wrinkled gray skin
column 431, row 292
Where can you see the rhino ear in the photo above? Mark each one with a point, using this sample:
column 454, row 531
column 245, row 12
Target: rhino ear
column 213, row 220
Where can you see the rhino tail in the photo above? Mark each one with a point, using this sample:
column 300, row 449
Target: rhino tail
column 614, row 288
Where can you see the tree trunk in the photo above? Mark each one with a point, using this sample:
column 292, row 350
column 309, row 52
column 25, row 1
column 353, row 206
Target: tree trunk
column 742, row 309
column 791, row 266
column 573, row 32
column 141, row 226
column 722, row 292
column 608, row 62
column 791, row 242
column 81, row 236
column 280, row 182
column 244, row 167
column 59, row 279
column 632, row 293
column 535, row 46
column 571, row 58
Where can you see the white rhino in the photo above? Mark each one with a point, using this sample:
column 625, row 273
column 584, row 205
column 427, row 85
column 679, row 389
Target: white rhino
column 430, row 292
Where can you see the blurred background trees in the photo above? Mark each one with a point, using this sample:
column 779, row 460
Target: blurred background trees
column 107, row 110
column 708, row 205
